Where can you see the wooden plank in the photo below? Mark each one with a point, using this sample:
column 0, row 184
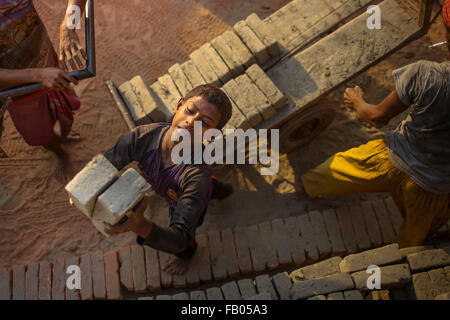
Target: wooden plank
column 346, row 225
column 334, row 233
column 359, row 226
column 313, row 72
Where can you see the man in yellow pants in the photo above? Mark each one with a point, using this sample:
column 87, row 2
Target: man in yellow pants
column 411, row 162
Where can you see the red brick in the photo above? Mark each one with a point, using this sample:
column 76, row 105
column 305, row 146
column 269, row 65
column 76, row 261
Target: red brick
column 359, row 226
column 59, row 280
column 280, row 240
column 296, row 247
column 112, row 281
column 98, row 276
column 229, row 251
column 86, row 290
column 125, row 268
column 5, row 284
column 346, row 224
column 152, row 269
column 139, row 275
column 18, row 282
column 267, row 247
column 218, row 262
column 307, row 237
column 372, row 224
column 334, row 233
column 255, row 245
column 45, row 281
column 32, row 282
column 243, row 251
column 200, row 268
column 394, row 214
column 166, row 278
column 71, row 294
column 387, row 230
column 320, row 233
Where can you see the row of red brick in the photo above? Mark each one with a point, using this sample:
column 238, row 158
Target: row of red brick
column 221, row 255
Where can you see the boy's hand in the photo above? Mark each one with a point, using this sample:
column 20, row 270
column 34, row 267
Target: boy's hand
column 136, row 222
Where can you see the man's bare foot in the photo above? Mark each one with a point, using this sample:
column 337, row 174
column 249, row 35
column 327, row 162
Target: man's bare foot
column 353, row 97
column 176, row 265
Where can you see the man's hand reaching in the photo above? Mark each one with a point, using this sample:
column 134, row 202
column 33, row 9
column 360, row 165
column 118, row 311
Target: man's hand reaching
column 71, row 53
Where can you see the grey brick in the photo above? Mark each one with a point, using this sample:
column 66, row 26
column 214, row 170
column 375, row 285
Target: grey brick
column 239, row 49
column 335, row 296
column 264, row 83
column 214, row 294
column 192, row 74
column 429, row 285
column 331, row 223
column 353, row 295
column 146, row 298
column 252, row 41
column 325, row 285
column 167, row 92
column 230, row 291
column 228, row 56
column 122, row 196
column 180, row 296
column 282, row 284
column 261, row 296
column 428, row 259
column 409, row 250
column 263, row 31
column 207, row 72
column 252, row 114
column 394, row 276
column 237, row 120
column 255, row 97
column 198, row 295
column 247, row 288
column 263, row 283
column 90, row 182
column 215, row 61
column 163, row 297
column 318, row 297
column 180, row 79
column 5, row 284
column 381, row 256
column 443, row 296
column 318, row 270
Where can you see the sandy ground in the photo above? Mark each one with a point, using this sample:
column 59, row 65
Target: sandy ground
column 146, row 37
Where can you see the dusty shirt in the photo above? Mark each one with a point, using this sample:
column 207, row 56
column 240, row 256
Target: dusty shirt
column 420, row 146
column 186, row 188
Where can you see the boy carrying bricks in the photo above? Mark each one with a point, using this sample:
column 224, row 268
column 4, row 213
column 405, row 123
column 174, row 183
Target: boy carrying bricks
column 411, row 162
column 187, row 188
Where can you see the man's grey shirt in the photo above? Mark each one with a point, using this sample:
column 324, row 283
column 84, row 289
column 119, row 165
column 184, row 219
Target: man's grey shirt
column 420, row 145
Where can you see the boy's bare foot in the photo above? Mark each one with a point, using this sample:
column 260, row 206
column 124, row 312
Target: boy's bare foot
column 176, row 265
column 353, row 97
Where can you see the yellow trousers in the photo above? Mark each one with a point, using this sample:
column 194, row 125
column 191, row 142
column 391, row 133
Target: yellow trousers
column 368, row 168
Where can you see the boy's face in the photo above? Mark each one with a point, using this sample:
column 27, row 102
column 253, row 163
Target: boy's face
column 196, row 109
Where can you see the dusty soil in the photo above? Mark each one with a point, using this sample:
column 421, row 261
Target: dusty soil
column 146, row 38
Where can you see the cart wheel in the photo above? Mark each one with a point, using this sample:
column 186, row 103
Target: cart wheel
column 305, row 126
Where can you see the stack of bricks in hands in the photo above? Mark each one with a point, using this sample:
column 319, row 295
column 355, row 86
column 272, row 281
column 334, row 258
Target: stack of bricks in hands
column 222, row 62
column 102, row 195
